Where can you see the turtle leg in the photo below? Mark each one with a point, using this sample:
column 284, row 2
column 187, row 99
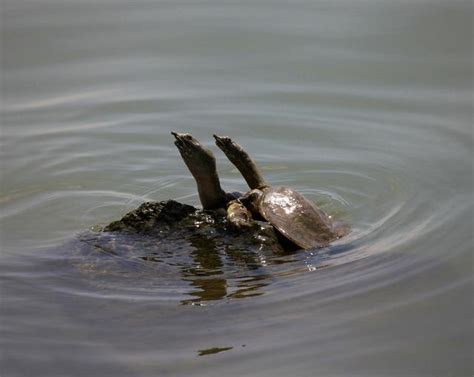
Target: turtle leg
column 242, row 161
column 238, row 216
column 202, row 165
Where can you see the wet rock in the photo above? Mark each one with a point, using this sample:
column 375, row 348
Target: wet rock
column 151, row 215
column 170, row 220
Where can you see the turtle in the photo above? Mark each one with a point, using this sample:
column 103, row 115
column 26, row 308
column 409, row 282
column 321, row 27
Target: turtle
column 221, row 250
column 297, row 219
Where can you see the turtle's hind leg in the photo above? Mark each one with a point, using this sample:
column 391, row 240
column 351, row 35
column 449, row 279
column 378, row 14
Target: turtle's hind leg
column 202, row 165
column 242, row 161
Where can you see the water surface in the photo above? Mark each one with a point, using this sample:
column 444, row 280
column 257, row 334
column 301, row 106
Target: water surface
column 363, row 106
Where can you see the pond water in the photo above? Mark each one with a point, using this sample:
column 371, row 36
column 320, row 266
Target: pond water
column 364, row 106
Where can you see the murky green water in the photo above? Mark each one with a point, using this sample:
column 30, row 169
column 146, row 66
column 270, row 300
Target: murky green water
column 363, row 106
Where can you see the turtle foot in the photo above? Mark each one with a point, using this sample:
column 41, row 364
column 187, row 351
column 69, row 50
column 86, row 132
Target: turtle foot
column 229, row 147
column 239, row 217
column 195, row 155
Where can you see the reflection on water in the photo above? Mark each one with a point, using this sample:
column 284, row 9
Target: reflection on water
column 364, row 106
column 180, row 246
column 213, row 350
column 207, row 275
column 206, row 270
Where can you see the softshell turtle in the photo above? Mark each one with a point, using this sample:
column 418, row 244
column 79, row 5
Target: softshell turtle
column 173, row 242
column 296, row 218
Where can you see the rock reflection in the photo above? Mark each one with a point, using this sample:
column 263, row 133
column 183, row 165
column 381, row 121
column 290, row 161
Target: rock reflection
column 211, row 269
column 168, row 249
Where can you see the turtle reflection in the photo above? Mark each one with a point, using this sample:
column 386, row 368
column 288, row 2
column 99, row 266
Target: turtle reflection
column 207, row 275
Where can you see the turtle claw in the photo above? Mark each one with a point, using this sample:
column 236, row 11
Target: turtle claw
column 185, row 142
column 178, row 135
column 183, row 138
column 222, row 141
column 192, row 151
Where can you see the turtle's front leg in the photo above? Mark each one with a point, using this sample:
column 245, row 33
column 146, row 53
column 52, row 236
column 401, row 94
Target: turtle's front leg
column 238, row 216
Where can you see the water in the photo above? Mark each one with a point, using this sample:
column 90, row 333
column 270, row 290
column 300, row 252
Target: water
column 364, row 106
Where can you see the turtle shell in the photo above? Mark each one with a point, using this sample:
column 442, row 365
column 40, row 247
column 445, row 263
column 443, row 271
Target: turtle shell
column 296, row 218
